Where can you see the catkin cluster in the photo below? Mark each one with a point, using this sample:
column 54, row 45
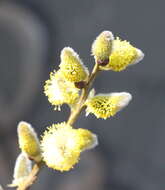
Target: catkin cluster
column 61, row 144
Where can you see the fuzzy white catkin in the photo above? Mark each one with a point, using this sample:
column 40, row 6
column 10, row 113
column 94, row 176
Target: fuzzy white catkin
column 23, row 167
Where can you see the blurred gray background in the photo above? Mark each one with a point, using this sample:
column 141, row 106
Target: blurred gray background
column 131, row 154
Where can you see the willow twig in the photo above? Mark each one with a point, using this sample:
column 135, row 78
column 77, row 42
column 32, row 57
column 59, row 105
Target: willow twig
column 85, row 91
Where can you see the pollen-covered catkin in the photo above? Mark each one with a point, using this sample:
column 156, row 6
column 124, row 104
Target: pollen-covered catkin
column 122, row 56
column 62, row 144
column 60, row 91
column 71, row 66
column 107, row 105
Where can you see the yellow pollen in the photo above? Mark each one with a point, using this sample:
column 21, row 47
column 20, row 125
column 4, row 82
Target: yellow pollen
column 123, row 55
column 62, row 145
column 60, row 91
column 71, row 66
column 106, row 105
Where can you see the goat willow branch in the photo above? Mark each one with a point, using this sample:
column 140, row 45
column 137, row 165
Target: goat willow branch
column 61, row 144
column 73, row 117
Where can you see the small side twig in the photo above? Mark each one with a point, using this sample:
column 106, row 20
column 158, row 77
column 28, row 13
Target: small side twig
column 85, row 91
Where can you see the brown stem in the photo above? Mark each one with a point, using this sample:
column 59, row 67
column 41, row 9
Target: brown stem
column 85, row 91
column 32, row 177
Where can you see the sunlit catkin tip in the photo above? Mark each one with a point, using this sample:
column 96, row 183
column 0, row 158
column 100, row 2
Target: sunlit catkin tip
column 60, row 147
column 140, row 56
column 122, row 99
column 23, row 167
column 1, row 188
column 123, row 55
column 28, row 141
column 72, row 67
column 107, row 105
column 88, row 140
column 60, row 91
column 102, row 47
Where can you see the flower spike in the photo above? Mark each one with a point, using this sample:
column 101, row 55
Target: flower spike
column 122, row 56
column 62, row 145
column 60, row 91
column 71, row 66
column 106, row 105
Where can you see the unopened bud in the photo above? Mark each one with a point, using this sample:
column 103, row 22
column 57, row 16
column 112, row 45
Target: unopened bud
column 23, row 167
column 28, row 141
column 102, row 47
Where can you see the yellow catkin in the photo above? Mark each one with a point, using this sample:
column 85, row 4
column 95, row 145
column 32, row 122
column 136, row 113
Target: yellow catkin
column 102, row 46
column 123, row 55
column 62, row 145
column 106, row 105
column 71, row 66
column 60, row 91
column 28, row 141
